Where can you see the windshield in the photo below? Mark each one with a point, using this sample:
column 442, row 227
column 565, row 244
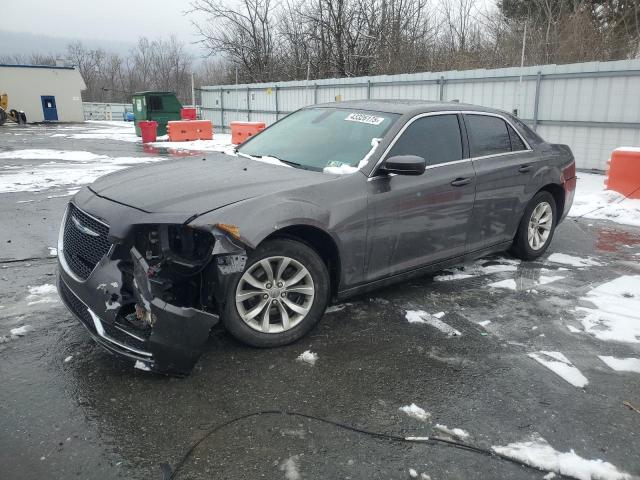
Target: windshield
column 317, row 138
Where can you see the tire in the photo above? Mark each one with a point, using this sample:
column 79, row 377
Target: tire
column 530, row 247
column 309, row 294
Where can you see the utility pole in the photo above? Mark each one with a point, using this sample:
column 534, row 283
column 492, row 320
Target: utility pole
column 193, row 92
column 524, row 44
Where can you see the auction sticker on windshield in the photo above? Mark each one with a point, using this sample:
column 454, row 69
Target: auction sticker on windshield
column 363, row 118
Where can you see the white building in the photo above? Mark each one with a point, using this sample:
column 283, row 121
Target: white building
column 44, row 93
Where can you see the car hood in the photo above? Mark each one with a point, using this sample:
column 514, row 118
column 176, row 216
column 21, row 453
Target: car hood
column 196, row 185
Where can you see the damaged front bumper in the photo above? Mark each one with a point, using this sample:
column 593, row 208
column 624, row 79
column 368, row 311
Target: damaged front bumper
column 113, row 308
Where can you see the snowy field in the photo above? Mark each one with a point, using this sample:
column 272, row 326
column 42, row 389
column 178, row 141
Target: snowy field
column 535, row 361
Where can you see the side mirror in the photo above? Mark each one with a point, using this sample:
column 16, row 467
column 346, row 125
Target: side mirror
column 404, row 165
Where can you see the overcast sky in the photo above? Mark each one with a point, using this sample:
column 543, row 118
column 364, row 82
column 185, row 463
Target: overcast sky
column 101, row 20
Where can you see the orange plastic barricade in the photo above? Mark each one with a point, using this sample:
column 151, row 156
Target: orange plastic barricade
column 623, row 172
column 186, row 130
column 240, row 131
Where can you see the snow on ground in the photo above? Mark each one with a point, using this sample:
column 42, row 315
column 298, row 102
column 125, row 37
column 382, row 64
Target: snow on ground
column 453, row 432
column 622, row 364
column 308, row 357
column 53, row 252
column 120, row 131
column 420, row 316
column 614, row 315
column 20, row 331
column 565, row 259
column 48, row 154
column 573, row 329
column 538, row 453
column 221, row 142
column 42, row 294
column 291, row 468
column 593, row 201
column 416, row 412
column 561, row 366
column 478, row 268
column 509, row 284
column 74, row 168
column 544, row 279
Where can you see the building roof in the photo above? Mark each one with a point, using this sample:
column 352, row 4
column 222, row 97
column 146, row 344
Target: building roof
column 37, row 66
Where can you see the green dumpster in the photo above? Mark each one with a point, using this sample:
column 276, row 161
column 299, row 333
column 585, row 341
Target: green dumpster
column 159, row 106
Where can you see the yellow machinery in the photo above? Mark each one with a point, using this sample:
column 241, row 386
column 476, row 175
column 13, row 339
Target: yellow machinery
column 15, row 115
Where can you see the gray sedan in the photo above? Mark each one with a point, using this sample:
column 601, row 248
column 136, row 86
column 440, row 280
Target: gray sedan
column 331, row 201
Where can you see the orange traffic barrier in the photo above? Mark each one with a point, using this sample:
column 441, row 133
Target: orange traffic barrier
column 240, row 131
column 186, row 130
column 623, row 172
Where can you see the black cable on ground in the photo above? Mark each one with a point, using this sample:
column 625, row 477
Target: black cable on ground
column 169, row 474
column 29, row 259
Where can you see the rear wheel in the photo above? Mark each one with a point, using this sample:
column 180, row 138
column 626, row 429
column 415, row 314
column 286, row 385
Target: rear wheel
column 536, row 228
column 279, row 297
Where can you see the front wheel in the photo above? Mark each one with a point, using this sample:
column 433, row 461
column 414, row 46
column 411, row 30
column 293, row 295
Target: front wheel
column 280, row 296
column 536, row 228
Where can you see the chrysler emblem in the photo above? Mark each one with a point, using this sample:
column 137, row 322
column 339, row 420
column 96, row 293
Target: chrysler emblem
column 82, row 228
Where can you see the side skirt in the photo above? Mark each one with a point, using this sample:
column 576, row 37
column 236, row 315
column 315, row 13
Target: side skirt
column 421, row 271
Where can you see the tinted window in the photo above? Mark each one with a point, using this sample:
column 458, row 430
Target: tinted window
column 487, row 135
column 435, row 138
column 516, row 142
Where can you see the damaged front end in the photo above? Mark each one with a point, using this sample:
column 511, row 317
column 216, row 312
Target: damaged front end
column 151, row 296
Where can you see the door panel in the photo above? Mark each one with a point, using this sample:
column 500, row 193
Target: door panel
column 418, row 220
column 49, row 110
column 500, row 194
column 504, row 167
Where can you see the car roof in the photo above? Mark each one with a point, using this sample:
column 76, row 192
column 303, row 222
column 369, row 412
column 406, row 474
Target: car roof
column 405, row 106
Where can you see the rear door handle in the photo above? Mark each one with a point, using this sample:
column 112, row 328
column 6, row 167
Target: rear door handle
column 459, row 182
column 525, row 169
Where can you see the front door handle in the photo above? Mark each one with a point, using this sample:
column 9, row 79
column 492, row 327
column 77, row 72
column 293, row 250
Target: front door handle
column 459, row 182
column 525, row 169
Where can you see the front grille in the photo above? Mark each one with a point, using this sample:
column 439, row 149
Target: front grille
column 76, row 306
column 82, row 251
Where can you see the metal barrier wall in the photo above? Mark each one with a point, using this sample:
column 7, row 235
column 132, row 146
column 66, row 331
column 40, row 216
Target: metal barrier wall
column 105, row 111
column 593, row 107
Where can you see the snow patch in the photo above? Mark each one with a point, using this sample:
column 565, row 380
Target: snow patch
column 453, row 432
column 42, row 294
column 53, row 252
column 416, row 412
column 573, row 329
column 565, row 259
column 420, row 316
column 21, row 331
column 141, row 366
column 561, row 366
column 622, row 364
column 291, row 468
column 308, row 357
column 47, row 154
column 615, row 316
column 68, row 359
column 478, row 268
column 221, row 142
column 509, row 284
column 543, row 280
column 593, row 201
column 484, row 323
column 538, row 453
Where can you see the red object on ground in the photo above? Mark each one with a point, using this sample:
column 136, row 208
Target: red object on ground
column 188, row 113
column 148, row 129
column 623, row 174
column 187, row 130
column 240, row 131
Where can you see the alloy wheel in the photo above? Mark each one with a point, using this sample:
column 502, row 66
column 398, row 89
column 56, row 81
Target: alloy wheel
column 540, row 225
column 274, row 294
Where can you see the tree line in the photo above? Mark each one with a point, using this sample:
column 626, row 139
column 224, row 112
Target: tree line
column 273, row 40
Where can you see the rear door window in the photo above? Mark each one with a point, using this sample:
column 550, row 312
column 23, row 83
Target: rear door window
column 435, row 138
column 487, row 135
